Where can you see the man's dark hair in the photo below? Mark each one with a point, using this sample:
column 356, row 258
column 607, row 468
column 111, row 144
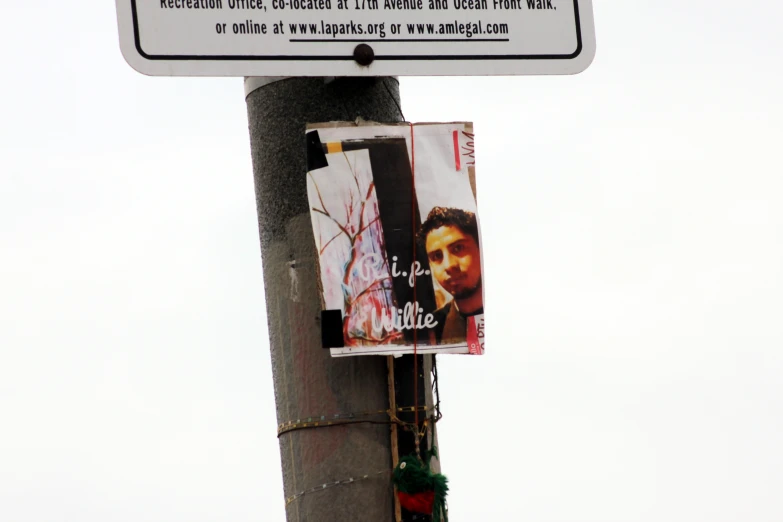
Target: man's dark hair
column 448, row 217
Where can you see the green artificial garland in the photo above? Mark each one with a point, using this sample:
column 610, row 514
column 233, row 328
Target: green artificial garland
column 419, row 489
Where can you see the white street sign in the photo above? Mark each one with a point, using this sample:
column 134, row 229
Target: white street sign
column 319, row 37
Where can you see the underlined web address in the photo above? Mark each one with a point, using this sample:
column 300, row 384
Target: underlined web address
column 382, row 30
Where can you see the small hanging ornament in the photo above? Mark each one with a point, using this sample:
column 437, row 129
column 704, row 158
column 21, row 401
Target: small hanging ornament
column 419, row 489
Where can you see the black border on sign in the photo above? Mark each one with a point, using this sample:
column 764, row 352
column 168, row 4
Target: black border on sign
column 350, row 58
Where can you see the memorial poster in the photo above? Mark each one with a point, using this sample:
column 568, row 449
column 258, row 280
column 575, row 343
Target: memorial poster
column 395, row 223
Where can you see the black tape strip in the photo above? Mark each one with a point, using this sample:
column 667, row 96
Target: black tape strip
column 316, row 157
column 332, row 329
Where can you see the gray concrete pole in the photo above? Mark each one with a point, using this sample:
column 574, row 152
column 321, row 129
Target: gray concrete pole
column 307, row 381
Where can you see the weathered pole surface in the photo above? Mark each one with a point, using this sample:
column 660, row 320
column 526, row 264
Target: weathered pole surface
column 308, row 382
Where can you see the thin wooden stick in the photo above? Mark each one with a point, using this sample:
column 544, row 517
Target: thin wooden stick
column 394, row 447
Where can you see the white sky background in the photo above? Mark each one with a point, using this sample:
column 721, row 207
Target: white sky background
column 633, row 249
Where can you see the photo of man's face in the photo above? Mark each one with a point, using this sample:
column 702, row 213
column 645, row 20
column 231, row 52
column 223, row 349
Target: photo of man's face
column 454, row 260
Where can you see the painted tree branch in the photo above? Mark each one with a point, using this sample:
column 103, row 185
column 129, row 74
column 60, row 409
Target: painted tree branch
column 342, row 228
column 374, row 283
